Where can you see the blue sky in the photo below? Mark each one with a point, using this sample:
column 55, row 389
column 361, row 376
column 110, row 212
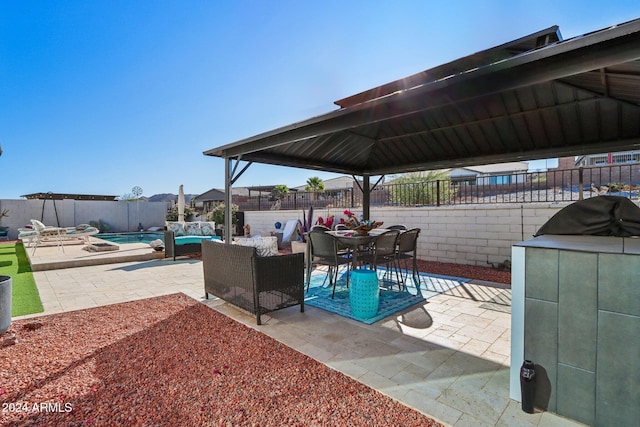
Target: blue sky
column 100, row 96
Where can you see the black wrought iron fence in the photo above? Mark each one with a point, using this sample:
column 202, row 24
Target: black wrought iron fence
column 549, row 186
column 300, row 200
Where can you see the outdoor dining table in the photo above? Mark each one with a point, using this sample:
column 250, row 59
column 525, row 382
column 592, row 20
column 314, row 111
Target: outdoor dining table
column 354, row 241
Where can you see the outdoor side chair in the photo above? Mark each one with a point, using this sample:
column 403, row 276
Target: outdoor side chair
column 384, row 253
column 407, row 249
column 324, row 250
column 400, row 227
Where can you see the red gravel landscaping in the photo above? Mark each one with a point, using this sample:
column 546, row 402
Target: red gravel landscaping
column 488, row 274
column 171, row 361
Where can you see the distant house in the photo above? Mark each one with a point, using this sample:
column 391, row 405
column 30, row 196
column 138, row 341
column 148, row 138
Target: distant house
column 498, row 174
column 604, row 159
column 339, row 183
column 208, row 200
column 253, row 191
column 335, row 189
column 604, row 169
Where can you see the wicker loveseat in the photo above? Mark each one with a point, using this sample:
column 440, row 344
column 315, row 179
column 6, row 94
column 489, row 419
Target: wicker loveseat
column 183, row 238
column 257, row 284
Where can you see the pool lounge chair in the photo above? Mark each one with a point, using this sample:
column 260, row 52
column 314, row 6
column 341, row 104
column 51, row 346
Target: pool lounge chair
column 41, row 233
column 290, row 231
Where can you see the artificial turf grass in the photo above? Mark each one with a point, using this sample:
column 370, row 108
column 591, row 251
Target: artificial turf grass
column 24, row 292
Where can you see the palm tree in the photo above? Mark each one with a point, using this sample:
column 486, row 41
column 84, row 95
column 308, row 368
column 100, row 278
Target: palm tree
column 280, row 190
column 314, row 184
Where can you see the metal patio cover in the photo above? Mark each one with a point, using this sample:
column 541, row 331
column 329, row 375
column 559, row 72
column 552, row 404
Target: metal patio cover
column 509, row 103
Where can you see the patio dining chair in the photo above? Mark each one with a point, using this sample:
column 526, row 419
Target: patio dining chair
column 400, row 227
column 324, row 250
column 320, row 228
column 407, row 249
column 383, row 252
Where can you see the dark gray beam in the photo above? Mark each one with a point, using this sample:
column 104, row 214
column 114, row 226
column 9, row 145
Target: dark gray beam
column 303, row 163
column 515, row 156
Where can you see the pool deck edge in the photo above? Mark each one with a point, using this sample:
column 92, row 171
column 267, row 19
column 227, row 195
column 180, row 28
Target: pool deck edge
column 73, row 255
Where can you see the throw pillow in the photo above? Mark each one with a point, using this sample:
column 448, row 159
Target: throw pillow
column 192, row 229
column 265, row 246
column 208, row 228
column 176, row 227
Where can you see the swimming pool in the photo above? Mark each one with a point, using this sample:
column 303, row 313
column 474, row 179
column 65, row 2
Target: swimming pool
column 122, row 238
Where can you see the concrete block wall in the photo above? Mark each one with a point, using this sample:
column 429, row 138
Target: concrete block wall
column 464, row 234
column 264, row 221
column 121, row 216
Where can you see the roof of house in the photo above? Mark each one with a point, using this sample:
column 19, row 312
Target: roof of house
column 211, row 195
column 499, row 168
column 336, row 183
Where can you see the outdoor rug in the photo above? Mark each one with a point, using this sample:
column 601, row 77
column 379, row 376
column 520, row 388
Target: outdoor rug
column 391, row 299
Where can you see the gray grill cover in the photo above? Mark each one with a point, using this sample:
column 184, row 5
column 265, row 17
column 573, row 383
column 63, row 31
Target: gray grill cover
column 597, row 216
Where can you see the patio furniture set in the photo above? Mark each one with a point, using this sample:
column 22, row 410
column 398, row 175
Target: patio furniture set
column 378, row 247
column 259, row 281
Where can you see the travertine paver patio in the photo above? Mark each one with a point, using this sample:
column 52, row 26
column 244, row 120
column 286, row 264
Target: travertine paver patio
column 448, row 358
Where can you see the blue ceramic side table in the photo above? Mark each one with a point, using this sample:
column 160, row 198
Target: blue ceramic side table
column 364, row 295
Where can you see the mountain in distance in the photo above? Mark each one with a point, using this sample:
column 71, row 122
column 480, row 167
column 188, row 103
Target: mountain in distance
column 168, row 197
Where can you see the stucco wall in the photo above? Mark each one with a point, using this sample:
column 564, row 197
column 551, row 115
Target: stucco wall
column 121, row 216
column 465, row 234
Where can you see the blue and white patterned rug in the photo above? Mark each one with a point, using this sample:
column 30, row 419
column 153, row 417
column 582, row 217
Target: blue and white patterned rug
column 391, row 299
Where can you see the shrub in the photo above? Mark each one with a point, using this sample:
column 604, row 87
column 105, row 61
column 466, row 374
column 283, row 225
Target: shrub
column 420, row 188
column 172, row 215
column 217, row 215
column 101, row 225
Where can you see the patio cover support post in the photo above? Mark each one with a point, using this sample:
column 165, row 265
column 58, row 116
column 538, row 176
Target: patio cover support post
column 366, row 193
column 581, row 183
column 366, row 196
column 227, row 201
column 230, row 178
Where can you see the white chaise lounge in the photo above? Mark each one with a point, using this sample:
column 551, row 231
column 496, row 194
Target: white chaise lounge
column 41, row 232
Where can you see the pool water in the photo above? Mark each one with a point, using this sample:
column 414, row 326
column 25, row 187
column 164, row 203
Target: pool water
column 122, row 238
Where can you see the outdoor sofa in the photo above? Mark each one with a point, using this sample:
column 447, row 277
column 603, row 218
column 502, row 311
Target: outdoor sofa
column 256, row 284
column 184, row 238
